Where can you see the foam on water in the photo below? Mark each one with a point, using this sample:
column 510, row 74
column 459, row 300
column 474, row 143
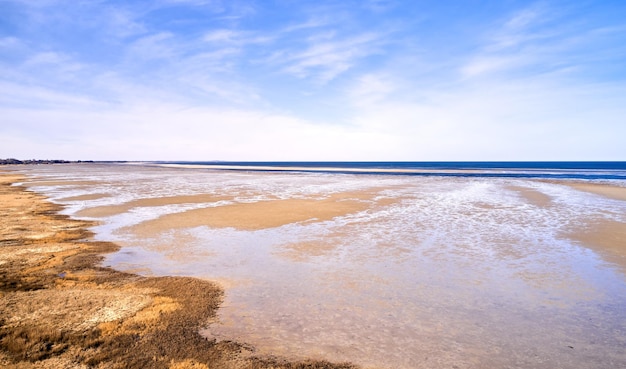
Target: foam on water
column 472, row 272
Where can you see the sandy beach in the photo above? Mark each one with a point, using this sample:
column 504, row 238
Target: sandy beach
column 59, row 309
column 246, row 270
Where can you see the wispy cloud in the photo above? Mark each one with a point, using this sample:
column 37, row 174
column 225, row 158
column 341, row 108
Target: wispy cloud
column 276, row 80
column 512, row 46
column 481, row 65
column 122, row 22
column 156, row 46
column 324, row 60
column 542, row 39
column 314, row 22
column 9, row 42
column 231, row 37
column 379, row 5
column 371, row 89
column 39, row 98
column 519, row 90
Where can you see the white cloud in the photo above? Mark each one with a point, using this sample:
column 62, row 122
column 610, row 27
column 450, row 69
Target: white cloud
column 46, row 58
column 122, row 23
column 235, row 38
column 379, row 5
column 325, row 60
column 522, row 43
column 9, row 42
column 155, row 46
column 483, row 65
column 371, row 88
column 220, row 35
column 174, row 132
column 315, row 22
column 537, row 119
column 36, row 97
column 523, row 19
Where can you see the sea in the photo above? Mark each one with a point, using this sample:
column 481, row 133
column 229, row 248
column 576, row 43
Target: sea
column 583, row 170
column 382, row 264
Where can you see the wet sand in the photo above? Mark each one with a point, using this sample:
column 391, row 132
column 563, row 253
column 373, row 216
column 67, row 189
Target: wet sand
column 385, row 272
column 262, row 214
column 533, row 196
column 613, row 192
column 606, row 237
column 59, row 309
column 105, row 211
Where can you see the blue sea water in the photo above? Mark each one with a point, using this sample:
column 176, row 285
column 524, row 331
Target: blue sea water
column 586, row 170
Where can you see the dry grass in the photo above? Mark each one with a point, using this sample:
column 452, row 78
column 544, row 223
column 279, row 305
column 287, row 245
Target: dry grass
column 58, row 309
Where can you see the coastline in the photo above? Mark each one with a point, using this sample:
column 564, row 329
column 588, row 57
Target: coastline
column 311, row 264
column 59, row 309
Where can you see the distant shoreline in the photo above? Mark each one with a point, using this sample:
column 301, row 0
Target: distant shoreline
column 12, row 161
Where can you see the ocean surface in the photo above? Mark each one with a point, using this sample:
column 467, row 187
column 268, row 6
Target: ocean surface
column 590, row 170
column 392, row 265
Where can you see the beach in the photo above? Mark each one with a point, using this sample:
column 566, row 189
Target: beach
column 270, row 268
column 60, row 309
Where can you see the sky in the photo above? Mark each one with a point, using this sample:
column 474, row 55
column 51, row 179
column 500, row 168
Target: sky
column 315, row 80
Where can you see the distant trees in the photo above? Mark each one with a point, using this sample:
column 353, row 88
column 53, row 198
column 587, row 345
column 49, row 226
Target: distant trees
column 36, row 161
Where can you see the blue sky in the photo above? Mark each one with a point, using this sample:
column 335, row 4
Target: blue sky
column 313, row 80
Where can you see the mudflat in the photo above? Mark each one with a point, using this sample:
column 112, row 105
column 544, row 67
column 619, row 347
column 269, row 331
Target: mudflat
column 59, row 309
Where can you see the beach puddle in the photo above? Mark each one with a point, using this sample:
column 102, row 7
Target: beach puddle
column 382, row 271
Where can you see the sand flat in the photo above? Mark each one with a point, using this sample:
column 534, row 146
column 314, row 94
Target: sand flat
column 612, row 192
column 109, row 210
column 262, row 214
column 87, row 197
column 533, row 196
column 606, row 237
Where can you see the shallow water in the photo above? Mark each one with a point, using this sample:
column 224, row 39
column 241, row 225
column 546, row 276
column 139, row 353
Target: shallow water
column 434, row 272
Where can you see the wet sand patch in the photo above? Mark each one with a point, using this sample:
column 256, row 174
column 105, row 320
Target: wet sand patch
column 262, row 214
column 612, row 192
column 606, row 237
column 109, row 210
column 59, row 183
column 88, row 197
column 303, row 251
column 531, row 195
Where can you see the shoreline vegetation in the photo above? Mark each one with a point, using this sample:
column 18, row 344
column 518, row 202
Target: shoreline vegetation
column 59, row 309
column 12, row 161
